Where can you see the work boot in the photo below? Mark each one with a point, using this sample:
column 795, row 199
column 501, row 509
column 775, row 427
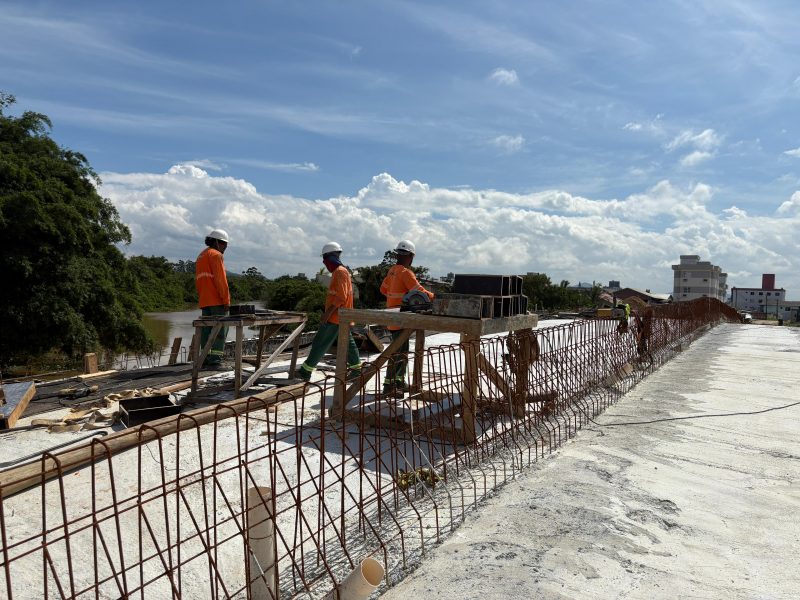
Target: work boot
column 394, row 389
column 353, row 374
column 303, row 374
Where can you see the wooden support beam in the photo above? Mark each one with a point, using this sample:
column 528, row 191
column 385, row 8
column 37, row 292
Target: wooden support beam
column 17, row 397
column 469, row 391
column 176, row 348
column 419, row 355
column 343, row 394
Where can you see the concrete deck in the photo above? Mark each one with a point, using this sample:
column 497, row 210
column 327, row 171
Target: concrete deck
column 691, row 508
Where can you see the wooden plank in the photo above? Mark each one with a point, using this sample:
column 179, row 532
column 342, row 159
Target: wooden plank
column 495, row 377
column 95, row 375
column 374, row 339
column 90, row 363
column 176, row 348
column 295, row 335
column 19, row 478
column 340, row 401
column 409, row 320
column 17, row 397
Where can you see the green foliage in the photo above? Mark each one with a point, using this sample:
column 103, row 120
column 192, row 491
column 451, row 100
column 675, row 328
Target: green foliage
column 65, row 282
column 313, row 304
column 250, row 285
column 543, row 294
column 158, row 286
column 285, row 292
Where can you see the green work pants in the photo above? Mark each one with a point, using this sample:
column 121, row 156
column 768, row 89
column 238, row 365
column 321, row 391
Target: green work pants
column 396, row 371
column 218, row 349
column 326, row 335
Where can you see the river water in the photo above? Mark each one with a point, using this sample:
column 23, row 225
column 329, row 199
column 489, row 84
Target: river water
column 166, row 326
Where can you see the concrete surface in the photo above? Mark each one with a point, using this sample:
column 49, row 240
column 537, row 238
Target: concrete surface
column 690, row 508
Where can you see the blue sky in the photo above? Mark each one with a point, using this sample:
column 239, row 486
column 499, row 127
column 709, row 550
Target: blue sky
column 588, row 140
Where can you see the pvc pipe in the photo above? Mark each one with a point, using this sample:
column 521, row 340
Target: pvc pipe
column 262, row 574
column 360, row 583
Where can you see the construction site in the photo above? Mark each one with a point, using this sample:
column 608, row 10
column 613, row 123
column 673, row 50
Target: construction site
column 175, row 483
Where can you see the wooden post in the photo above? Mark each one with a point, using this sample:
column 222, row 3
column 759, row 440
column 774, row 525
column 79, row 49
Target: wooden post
column 192, row 348
column 295, row 351
column 419, row 350
column 469, row 392
column 237, row 372
column 176, row 348
column 339, row 399
column 90, row 363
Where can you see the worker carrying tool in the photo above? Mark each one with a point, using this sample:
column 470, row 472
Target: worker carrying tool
column 340, row 295
column 212, row 291
column 398, row 282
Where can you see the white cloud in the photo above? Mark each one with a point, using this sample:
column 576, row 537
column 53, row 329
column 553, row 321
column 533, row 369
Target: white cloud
column 633, row 126
column 791, row 206
column 205, row 163
column 504, row 76
column 695, row 158
column 795, row 152
column 634, row 239
column 706, row 140
column 275, row 166
column 508, row 143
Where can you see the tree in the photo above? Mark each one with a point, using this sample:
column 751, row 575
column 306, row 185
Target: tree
column 66, row 285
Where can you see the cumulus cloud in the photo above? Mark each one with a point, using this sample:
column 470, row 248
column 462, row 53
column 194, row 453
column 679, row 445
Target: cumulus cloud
column 502, row 76
column 795, row 152
column 695, row 158
column 509, row 143
column 633, row 239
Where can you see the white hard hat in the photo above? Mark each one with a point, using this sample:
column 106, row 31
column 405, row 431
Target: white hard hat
column 219, row 234
column 331, row 247
column 405, row 247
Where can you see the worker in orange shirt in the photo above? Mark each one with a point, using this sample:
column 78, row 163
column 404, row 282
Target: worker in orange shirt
column 398, row 282
column 340, row 295
column 212, row 290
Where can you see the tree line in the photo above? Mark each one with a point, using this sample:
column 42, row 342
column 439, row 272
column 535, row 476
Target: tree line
column 68, row 288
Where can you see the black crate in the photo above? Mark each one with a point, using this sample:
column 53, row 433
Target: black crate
column 483, row 285
column 242, row 309
column 135, row 411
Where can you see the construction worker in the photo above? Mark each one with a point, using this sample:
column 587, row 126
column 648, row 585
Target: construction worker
column 398, row 282
column 340, row 295
column 212, row 290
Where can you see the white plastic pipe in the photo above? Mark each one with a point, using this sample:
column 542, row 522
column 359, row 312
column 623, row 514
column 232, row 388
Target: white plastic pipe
column 261, row 535
column 361, row 582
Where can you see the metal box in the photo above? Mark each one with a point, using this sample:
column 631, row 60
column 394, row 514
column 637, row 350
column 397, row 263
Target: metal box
column 488, row 285
column 135, row 411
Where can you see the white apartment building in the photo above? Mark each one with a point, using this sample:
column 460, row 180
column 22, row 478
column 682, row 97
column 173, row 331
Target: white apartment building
column 694, row 278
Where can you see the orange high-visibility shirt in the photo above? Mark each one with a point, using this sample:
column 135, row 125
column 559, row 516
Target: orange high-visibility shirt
column 399, row 281
column 210, row 279
column 340, row 293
